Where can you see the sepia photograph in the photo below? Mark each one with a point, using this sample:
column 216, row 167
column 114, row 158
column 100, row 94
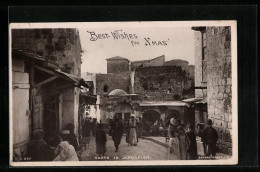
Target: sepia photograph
column 123, row 93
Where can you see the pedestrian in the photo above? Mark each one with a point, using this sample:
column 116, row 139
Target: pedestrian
column 184, row 143
column 192, row 150
column 94, row 126
column 39, row 150
column 127, row 130
column 133, row 131
column 101, row 140
column 86, row 134
column 199, row 133
column 72, row 137
column 139, row 128
column 117, row 129
column 64, row 151
column 174, row 141
column 210, row 136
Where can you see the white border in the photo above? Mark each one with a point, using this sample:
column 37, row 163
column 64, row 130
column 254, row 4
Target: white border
column 232, row 161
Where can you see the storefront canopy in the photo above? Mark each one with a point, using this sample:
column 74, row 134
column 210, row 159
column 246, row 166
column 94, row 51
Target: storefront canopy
column 162, row 103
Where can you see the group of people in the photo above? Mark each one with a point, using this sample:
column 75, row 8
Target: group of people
column 57, row 148
column 183, row 142
column 132, row 128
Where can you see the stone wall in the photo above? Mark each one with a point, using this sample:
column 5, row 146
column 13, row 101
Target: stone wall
column 158, row 61
column 112, row 81
column 117, row 66
column 219, row 83
column 198, row 64
column 59, row 46
column 161, row 83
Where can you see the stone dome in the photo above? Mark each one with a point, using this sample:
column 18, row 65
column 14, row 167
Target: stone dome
column 117, row 92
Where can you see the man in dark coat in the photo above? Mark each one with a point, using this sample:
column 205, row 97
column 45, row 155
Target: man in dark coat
column 117, row 129
column 72, row 138
column 210, row 136
column 192, row 151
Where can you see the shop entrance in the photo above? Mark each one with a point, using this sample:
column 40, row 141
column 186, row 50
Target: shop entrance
column 151, row 122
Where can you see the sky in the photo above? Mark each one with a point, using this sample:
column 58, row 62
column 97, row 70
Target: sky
column 175, row 42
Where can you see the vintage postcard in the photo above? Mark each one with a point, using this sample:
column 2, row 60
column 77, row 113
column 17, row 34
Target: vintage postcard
column 123, row 93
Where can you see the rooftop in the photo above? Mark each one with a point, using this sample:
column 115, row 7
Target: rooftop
column 117, row 58
column 177, row 60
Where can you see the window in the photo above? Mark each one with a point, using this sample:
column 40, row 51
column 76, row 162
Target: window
column 105, row 88
column 169, row 91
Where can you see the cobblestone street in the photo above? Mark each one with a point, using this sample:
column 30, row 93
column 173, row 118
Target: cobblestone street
column 145, row 150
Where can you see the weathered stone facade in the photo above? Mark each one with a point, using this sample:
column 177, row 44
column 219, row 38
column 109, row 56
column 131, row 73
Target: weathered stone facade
column 42, row 55
column 105, row 83
column 162, row 83
column 117, row 65
column 158, row 61
column 59, row 46
column 213, row 70
column 219, row 83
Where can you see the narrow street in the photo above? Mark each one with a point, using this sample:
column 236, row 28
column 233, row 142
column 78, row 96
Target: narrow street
column 145, row 150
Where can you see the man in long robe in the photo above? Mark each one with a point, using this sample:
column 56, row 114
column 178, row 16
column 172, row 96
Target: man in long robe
column 133, row 131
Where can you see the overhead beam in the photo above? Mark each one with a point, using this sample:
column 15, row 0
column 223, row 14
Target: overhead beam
column 45, row 81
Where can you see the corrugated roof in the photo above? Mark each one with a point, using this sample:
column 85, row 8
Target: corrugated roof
column 117, row 58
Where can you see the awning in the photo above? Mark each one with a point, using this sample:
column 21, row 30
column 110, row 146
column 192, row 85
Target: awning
column 203, row 101
column 88, row 99
column 162, row 103
column 196, row 100
column 45, row 65
column 192, row 100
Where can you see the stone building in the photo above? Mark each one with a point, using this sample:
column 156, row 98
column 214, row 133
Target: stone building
column 45, row 82
column 213, row 75
column 151, row 90
column 157, row 61
column 117, row 65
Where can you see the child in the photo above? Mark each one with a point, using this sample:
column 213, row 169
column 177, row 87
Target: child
column 101, row 140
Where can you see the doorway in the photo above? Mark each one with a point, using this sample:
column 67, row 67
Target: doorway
column 51, row 117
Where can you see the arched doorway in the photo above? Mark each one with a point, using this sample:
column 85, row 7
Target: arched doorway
column 151, row 122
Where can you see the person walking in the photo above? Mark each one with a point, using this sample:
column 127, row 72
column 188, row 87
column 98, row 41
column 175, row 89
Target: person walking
column 192, row 150
column 174, row 141
column 139, row 128
column 133, row 131
column 86, row 133
column 101, row 140
column 117, row 129
column 210, row 136
column 72, row 137
column 184, row 143
column 199, row 132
